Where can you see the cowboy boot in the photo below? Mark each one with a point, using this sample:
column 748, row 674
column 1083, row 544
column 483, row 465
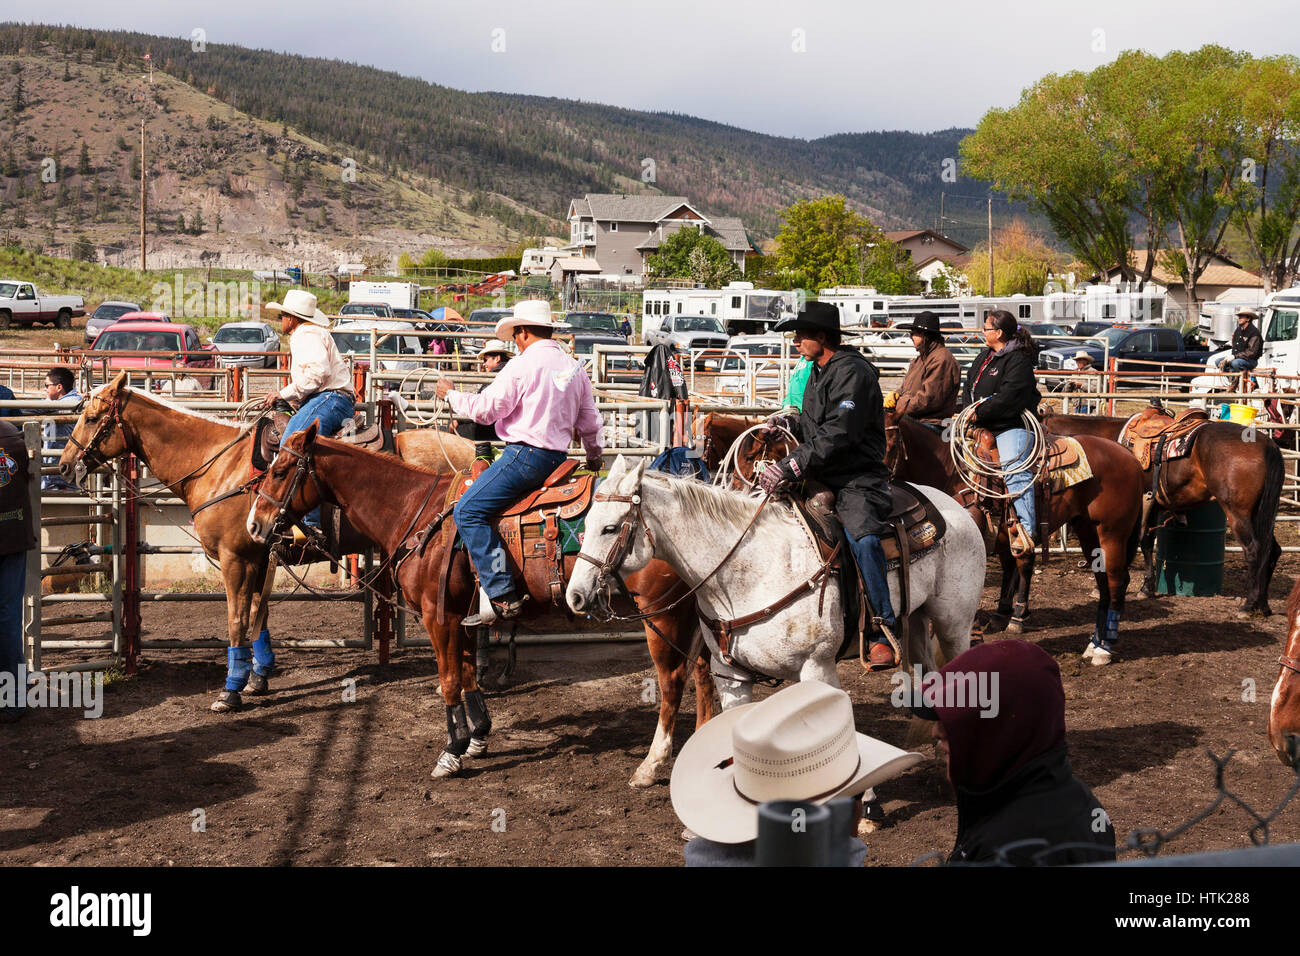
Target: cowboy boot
column 1020, row 541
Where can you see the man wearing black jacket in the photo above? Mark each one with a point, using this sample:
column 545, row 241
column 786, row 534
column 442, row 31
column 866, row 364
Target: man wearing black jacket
column 1247, row 344
column 842, row 434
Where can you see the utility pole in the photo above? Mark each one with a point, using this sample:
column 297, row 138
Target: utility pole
column 990, row 244
column 942, row 196
column 143, row 200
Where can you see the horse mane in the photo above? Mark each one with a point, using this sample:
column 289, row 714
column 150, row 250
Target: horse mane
column 380, row 456
column 172, row 406
column 714, row 503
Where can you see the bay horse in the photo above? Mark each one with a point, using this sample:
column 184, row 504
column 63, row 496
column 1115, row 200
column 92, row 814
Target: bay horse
column 1243, row 474
column 201, row 458
column 1284, row 708
column 740, row 554
column 386, row 499
column 1105, row 512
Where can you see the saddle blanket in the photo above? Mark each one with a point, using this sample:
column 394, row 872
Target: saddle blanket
column 1074, row 468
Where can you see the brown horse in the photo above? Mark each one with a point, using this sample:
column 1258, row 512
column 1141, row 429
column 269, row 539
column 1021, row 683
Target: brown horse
column 1243, row 474
column 1105, row 512
column 1284, row 710
column 715, row 434
column 386, row 499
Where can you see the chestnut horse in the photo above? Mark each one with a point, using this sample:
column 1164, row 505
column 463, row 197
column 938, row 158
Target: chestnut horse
column 1105, row 512
column 386, row 499
column 1284, row 710
column 1244, row 474
column 715, row 434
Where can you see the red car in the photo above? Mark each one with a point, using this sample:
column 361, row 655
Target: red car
column 178, row 346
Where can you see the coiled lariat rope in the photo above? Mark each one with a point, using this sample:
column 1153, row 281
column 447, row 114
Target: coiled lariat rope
column 971, row 467
column 728, row 463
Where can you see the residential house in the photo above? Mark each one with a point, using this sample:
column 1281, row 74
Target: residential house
column 930, row 252
column 1222, row 281
column 620, row 231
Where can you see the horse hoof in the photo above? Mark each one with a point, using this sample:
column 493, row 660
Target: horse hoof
column 448, row 765
column 1016, row 626
column 641, row 779
column 228, row 703
column 477, row 747
column 997, row 623
column 258, row 685
column 1095, row 594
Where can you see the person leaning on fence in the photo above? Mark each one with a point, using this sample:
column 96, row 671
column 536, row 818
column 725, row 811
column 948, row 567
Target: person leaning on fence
column 17, row 537
column 537, row 402
column 933, row 380
column 319, row 381
column 60, row 386
column 1001, row 380
column 1000, row 728
column 799, row 744
column 1247, row 344
column 1081, row 382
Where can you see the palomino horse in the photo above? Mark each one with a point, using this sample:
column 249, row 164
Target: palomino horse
column 1240, row 469
column 386, row 500
column 1105, row 512
column 739, row 554
column 1284, row 710
column 200, row 459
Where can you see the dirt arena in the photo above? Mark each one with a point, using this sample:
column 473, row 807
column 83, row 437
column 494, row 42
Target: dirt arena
column 303, row 777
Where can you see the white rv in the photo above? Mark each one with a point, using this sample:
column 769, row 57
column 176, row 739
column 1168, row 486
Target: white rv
column 859, row 305
column 396, row 295
column 1106, row 303
column 538, row 262
column 740, row 307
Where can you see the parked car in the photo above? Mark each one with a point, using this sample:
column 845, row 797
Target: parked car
column 352, row 336
column 241, row 338
column 23, row 303
column 177, row 345
column 585, row 342
column 604, row 322
column 1091, row 328
column 106, row 315
column 1133, row 348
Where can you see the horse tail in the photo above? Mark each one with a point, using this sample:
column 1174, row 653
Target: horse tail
column 1265, row 510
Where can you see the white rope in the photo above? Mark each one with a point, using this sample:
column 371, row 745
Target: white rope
column 971, row 467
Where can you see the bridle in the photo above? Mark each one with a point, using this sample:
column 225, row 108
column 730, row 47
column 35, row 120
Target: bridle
column 306, row 468
column 102, row 431
column 1289, row 663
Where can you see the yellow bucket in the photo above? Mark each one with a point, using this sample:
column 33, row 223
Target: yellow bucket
column 1242, row 414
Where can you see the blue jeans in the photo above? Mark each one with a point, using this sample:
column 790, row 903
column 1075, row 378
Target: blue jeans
column 1013, row 446
column 871, row 559
column 519, row 470
column 1237, row 364
column 13, row 577
column 329, row 408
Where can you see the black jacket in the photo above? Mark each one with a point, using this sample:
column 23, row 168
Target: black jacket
column 1008, row 383
column 1247, row 343
column 663, row 375
column 842, row 433
column 1043, row 800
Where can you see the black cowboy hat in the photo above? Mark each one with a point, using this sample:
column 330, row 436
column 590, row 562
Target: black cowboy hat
column 815, row 317
column 924, row 322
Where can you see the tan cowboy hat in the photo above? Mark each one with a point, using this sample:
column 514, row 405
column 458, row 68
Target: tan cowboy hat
column 1081, row 354
column 798, row 744
column 1251, row 313
column 496, row 346
column 529, row 312
column 301, row 304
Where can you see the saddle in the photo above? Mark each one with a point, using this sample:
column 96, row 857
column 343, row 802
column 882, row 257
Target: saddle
column 270, row 432
column 1153, row 434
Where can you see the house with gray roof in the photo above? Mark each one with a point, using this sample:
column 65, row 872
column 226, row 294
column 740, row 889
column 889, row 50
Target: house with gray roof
column 620, row 231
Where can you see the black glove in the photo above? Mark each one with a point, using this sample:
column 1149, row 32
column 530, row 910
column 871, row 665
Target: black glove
column 772, row 478
column 780, row 421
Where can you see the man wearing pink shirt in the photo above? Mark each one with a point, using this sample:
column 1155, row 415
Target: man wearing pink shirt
column 537, row 401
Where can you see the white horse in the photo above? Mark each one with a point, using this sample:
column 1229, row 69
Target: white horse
column 693, row 527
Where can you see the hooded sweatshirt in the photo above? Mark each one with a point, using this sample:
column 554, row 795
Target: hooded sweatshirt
column 1010, row 769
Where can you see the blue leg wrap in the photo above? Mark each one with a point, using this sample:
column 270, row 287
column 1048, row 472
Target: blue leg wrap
column 239, row 664
column 1112, row 630
column 263, row 656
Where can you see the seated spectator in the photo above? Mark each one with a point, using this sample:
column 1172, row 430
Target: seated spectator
column 1006, row 759
column 60, row 386
column 798, row 744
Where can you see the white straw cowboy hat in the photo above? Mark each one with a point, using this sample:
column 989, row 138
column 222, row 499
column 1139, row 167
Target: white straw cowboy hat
column 498, row 347
column 529, row 312
column 798, row 744
column 1081, row 354
column 300, row 304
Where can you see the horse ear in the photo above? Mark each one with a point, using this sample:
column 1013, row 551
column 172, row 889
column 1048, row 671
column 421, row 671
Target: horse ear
column 635, row 473
column 310, row 434
column 119, row 383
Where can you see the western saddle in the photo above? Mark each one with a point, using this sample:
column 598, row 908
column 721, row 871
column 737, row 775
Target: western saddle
column 1155, row 435
column 271, row 428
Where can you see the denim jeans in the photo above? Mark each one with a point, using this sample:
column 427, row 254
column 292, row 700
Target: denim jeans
column 1013, row 446
column 519, row 470
column 1237, row 364
column 871, row 559
column 332, row 410
column 13, row 576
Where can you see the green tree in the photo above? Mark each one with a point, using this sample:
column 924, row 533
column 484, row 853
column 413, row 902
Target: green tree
column 824, row 241
column 83, row 250
column 19, row 100
column 196, row 223
column 690, row 254
column 1022, row 262
column 83, row 161
column 180, row 223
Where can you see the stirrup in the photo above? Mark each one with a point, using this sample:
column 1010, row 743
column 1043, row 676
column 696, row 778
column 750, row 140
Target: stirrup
column 507, row 607
column 1019, row 540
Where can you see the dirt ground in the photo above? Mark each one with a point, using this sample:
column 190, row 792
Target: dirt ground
column 303, row 777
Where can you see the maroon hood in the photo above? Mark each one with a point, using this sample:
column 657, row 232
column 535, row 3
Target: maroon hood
column 1030, row 718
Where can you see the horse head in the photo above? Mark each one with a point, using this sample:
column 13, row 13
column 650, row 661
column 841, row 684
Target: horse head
column 289, row 489
column 100, row 433
column 616, row 541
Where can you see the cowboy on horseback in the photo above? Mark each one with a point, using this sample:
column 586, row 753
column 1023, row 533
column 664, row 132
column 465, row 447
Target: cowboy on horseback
column 933, row 380
column 536, row 401
column 319, row 380
column 842, row 435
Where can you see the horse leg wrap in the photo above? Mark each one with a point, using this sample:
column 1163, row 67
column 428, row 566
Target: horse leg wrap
column 457, row 730
column 263, row 656
column 480, row 723
column 239, row 664
column 1112, row 630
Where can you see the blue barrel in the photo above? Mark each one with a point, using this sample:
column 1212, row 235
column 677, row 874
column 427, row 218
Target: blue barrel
column 1189, row 559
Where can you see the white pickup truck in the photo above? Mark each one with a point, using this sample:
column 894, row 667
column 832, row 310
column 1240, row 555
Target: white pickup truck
column 22, row 303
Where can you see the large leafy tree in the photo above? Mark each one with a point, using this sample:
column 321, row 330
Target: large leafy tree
column 825, row 242
column 1022, row 262
column 690, row 254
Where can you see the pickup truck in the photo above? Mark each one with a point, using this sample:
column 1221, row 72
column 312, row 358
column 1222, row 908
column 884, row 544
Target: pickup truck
column 1134, row 348
column 21, row 302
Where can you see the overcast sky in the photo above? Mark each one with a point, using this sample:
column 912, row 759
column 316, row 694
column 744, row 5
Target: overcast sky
column 864, row 65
